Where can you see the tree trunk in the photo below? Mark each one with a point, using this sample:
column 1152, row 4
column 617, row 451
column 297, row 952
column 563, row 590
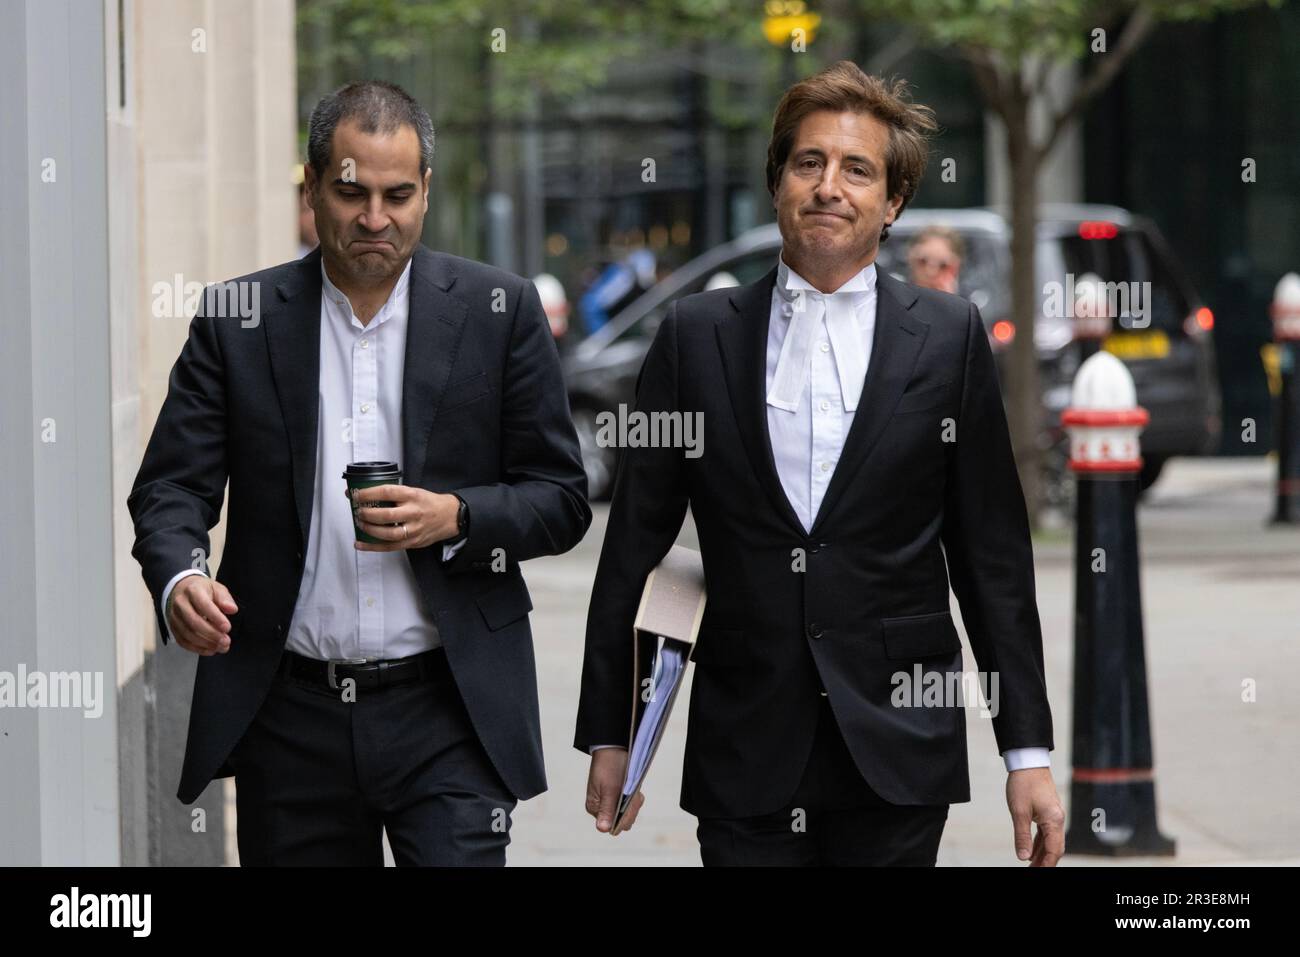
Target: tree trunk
column 1024, row 401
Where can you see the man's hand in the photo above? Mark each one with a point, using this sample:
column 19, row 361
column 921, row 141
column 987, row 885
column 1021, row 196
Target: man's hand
column 422, row 517
column 196, row 613
column 1031, row 797
column 605, row 784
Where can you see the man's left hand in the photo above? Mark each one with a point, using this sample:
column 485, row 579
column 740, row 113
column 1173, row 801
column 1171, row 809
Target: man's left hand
column 1032, row 798
column 423, row 517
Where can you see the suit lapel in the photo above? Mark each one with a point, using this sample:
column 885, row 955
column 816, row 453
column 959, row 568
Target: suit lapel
column 433, row 334
column 895, row 345
column 293, row 344
column 742, row 340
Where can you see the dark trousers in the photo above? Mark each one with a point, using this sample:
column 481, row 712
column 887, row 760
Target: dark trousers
column 834, row 819
column 318, row 777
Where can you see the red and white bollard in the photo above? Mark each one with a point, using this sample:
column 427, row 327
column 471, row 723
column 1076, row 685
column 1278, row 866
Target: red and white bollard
column 1112, row 788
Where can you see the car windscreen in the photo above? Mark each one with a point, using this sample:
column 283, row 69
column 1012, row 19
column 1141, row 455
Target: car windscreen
column 981, row 279
column 744, row 269
column 1130, row 257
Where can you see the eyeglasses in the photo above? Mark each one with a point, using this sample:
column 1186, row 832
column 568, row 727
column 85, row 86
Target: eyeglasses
column 926, row 262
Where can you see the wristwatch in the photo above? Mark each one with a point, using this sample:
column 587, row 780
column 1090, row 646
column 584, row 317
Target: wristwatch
column 462, row 521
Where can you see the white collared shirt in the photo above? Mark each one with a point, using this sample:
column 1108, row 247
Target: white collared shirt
column 351, row 603
column 832, row 357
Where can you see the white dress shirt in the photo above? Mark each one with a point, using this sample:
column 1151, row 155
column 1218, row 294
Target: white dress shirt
column 351, row 603
column 818, row 352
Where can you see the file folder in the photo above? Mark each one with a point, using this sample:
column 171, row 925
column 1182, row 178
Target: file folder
column 667, row 623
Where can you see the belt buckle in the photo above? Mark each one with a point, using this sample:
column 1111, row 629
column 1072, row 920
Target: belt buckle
column 329, row 668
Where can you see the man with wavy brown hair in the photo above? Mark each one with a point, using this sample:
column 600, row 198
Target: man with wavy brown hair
column 856, row 459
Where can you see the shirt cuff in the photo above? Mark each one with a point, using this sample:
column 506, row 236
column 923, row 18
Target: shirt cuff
column 167, row 591
column 450, row 550
column 596, row 747
column 1017, row 759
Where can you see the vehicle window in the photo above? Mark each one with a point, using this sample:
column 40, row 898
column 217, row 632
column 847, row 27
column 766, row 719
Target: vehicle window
column 981, row 279
column 746, row 269
column 1130, row 257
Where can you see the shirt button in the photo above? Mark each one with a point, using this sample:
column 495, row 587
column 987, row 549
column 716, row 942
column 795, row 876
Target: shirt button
column 826, row 466
column 365, row 406
column 825, row 347
column 365, row 343
column 370, row 602
column 825, row 405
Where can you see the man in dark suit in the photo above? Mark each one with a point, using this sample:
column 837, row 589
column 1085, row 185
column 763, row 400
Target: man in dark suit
column 350, row 686
column 854, row 440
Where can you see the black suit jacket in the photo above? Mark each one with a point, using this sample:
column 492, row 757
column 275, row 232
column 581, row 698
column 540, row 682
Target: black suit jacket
column 872, row 599
column 484, row 414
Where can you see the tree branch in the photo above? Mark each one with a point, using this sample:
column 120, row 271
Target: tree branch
column 988, row 77
column 1137, row 29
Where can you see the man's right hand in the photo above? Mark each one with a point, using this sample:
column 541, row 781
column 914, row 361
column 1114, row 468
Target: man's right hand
column 196, row 613
column 605, row 784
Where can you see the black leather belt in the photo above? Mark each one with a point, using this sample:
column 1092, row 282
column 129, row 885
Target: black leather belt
column 368, row 675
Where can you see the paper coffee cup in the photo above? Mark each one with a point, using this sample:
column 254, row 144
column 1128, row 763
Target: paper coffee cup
column 359, row 475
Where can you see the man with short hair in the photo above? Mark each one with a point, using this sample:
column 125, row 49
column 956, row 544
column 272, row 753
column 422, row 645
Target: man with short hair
column 855, row 455
column 352, row 687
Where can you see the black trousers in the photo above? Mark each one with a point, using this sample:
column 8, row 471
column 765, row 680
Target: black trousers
column 834, row 819
column 318, row 777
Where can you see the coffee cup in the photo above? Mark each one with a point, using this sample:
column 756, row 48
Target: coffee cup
column 359, row 475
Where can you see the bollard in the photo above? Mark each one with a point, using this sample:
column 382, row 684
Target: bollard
column 1285, row 311
column 1112, row 788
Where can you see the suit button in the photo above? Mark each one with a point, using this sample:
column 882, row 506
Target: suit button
column 299, row 556
column 814, row 631
column 814, row 549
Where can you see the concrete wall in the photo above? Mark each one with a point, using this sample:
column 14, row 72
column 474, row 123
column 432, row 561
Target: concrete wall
column 58, row 782
column 214, row 121
column 151, row 139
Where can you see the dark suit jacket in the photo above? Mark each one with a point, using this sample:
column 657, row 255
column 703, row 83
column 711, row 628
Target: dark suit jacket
column 484, row 414
column 873, row 598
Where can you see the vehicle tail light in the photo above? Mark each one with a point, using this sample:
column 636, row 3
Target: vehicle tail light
column 1097, row 229
column 1199, row 322
column 1003, row 331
